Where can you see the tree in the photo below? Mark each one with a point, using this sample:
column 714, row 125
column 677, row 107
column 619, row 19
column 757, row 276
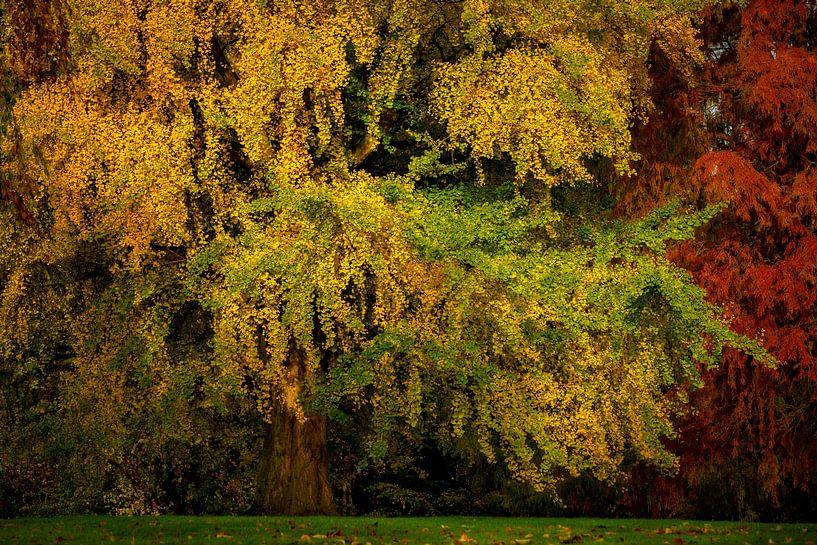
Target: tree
column 356, row 210
column 744, row 134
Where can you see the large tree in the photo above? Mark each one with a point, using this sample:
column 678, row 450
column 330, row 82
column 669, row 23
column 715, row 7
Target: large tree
column 377, row 211
column 743, row 132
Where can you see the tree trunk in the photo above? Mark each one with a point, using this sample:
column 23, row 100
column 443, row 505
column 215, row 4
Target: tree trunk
column 293, row 476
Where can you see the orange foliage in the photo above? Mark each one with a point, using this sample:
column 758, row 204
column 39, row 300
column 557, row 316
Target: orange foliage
column 746, row 133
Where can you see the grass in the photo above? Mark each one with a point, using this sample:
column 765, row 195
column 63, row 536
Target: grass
column 93, row 530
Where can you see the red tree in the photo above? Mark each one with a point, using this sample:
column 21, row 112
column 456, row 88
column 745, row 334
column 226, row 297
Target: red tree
column 745, row 132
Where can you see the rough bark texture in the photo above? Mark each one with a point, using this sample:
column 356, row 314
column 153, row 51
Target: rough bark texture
column 293, row 476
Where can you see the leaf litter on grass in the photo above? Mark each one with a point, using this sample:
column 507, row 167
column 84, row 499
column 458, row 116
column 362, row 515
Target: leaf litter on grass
column 398, row 531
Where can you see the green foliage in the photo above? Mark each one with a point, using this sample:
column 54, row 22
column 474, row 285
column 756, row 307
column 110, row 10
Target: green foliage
column 218, row 190
column 325, row 530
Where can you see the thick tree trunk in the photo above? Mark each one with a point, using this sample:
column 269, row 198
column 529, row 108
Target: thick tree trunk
column 293, row 476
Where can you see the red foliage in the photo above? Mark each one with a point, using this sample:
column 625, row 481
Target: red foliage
column 746, row 134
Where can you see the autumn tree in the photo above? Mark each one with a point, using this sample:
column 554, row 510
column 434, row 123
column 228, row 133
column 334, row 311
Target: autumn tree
column 742, row 131
column 360, row 210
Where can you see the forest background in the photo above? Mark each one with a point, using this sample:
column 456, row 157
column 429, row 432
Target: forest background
column 430, row 256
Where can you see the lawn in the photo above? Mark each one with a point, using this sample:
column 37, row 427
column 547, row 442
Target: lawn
column 92, row 530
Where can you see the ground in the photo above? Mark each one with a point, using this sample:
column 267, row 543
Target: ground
column 91, row 530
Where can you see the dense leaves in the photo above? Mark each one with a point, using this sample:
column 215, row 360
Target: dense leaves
column 743, row 133
column 221, row 214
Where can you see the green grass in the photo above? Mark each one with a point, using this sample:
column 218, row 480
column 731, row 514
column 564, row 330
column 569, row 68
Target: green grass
column 92, row 530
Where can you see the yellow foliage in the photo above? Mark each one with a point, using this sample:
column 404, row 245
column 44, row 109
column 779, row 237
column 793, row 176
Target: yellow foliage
column 210, row 155
column 548, row 122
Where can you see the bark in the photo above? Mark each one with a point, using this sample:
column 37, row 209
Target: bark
column 363, row 150
column 293, row 476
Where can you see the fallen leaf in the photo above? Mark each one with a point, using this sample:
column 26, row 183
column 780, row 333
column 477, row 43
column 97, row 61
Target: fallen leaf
column 571, row 539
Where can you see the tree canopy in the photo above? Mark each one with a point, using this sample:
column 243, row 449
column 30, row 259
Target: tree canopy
column 743, row 133
column 390, row 214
